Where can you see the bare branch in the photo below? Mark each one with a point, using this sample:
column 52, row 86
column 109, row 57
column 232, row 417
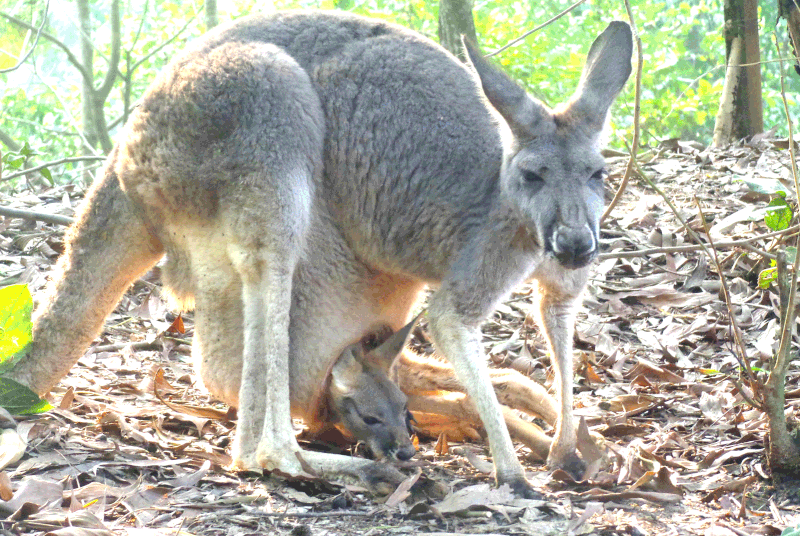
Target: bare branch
column 53, row 163
column 636, row 112
column 35, row 41
column 157, row 49
column 529, row 32
column 113, row 63
column 9, row 142
column 70, row 56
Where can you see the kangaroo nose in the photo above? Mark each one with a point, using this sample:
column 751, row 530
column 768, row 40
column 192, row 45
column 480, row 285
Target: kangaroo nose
column 406, row 452
column 574, row 247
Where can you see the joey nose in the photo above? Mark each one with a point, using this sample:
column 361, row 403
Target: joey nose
column 574, row 247
column 406, row 452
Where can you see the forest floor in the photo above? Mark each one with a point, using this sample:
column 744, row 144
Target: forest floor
column 655, row 369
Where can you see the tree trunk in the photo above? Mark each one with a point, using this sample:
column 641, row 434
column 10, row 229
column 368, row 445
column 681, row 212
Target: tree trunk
column 455, row 20
column 212, row 18
column 790, row 10
column 740, row 112
column 87, row 60
column 95, row 128
column 783, row 454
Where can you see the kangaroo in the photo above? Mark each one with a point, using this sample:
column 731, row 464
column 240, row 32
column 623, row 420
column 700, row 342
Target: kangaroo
column 372, row 395
column 363, row 402
column 306, row 174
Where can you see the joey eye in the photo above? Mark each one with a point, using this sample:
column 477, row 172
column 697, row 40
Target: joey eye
column 371, row 421
column 531, row 177
column 599, row 175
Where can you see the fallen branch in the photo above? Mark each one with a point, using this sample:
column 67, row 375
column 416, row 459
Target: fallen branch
column 744, row 242
column 31, row 215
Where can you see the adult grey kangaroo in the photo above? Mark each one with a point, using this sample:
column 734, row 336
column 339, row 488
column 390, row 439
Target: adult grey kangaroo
column 306, row 175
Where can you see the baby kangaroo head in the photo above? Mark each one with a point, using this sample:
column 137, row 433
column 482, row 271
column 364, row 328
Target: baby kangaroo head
column 552, row 174
column 368, row 404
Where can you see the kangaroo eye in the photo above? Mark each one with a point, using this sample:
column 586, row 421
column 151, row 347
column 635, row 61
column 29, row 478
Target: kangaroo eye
column 371, row 421
column 599, row 175
column 532, row 177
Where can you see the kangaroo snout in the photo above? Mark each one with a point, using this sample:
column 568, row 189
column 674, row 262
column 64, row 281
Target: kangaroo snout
column 574, row 247
column 406, row 452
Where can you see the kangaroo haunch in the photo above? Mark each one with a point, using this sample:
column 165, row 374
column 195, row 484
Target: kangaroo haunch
column 306, row 175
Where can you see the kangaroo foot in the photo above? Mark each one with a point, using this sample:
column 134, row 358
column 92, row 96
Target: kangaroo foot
column 569, row 462
column 523, row 489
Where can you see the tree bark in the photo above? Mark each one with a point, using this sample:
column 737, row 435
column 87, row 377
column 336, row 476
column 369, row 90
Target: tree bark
column 87, row 61
column 455, row 20
column 212, row 17
column 783, row 454
column 740, row 113
column 790, row 10
column 95, row 128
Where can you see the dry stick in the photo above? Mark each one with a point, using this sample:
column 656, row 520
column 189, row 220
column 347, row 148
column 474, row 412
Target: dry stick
column 529, row 32
column 636, row 107
column 55, row 219
column 744, row 242
column 737, row 334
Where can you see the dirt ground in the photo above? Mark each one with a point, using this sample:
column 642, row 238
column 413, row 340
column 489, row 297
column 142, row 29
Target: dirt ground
column 656, row 371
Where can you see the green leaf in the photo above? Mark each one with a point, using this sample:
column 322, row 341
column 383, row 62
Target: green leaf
column 16, row 306
column 47, row 175
column 767, row 277
column 779, row 214
column 19, row 400
column 791, row 531
column 14, row 162
column 26, row 150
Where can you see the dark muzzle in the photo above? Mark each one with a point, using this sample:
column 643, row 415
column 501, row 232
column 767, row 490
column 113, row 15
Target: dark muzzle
column 574, row 247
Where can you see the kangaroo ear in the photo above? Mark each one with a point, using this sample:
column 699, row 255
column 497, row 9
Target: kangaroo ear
column 346, row 372
column 608, row 66
column 520, row 110
column 384, row 355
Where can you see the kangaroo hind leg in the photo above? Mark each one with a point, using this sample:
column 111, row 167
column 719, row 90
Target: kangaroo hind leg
column 107, row 248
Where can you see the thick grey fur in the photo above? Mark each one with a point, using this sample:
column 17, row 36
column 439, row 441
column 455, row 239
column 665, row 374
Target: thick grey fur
column 306, row 174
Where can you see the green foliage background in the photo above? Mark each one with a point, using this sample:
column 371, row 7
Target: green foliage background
column 684, row 55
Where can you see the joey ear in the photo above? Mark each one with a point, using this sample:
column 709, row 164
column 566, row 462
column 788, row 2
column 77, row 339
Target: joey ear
column 608, row 66
column 384, row 355
column 520, row 110
column 346, row 372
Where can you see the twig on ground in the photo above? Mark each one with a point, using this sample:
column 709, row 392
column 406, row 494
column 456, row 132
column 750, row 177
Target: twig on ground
column 139, row 346
column 636, row 109
column 55, row 219
column 744, row 243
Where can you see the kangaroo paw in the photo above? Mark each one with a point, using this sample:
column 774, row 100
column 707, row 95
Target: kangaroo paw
column 569, row 462
column 523, row 489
